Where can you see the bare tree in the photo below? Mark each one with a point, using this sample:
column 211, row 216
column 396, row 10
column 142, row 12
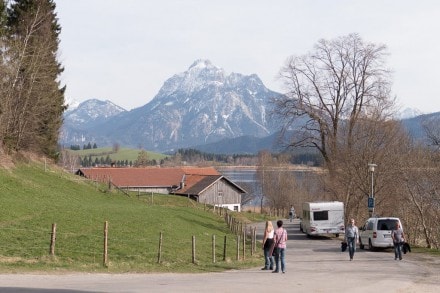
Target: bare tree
column 421, row 181
column 340, row 92
column 338, row 84
column 432, row 131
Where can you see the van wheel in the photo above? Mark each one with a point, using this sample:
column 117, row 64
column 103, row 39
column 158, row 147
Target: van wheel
column 370, row 245
column 361, row 246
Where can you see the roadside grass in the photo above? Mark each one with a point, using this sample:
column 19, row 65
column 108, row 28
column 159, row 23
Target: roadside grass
column 434, row 252
column 33, row 198
column 121, row 155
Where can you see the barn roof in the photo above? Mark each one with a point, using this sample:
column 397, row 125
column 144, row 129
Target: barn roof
column 150, row 177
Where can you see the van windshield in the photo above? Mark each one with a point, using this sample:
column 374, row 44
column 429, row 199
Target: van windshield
column 386, row 224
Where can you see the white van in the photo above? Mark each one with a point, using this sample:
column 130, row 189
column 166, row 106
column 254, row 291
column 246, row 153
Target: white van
column 376, row 232
column 325, row 217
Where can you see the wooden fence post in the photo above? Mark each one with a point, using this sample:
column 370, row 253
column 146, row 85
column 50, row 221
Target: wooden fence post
column 255, row 239
column 251, row 233
column 244, row 244
column 213, row 248
column 238, row 246
column 53, row 237
column 224, row 249
column 105, row 258
column 159, row 254
column 194, row 249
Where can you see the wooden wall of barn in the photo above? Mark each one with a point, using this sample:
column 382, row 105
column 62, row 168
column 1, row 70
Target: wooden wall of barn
column 221, row 193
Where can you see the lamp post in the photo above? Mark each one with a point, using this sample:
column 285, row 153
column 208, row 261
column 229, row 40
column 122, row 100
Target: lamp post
column 371, row 168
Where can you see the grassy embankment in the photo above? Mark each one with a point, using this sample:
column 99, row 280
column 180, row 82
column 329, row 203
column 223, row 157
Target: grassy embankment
column 32, row 199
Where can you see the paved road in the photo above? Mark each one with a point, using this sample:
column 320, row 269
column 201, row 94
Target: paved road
column 313, row 265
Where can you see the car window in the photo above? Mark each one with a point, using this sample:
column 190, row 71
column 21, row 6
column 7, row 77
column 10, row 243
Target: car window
column 370, row 226
column 386, row 224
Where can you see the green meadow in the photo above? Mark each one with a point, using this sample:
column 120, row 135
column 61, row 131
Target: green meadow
column 34, row 196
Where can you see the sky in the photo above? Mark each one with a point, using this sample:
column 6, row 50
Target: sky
column 123, row 51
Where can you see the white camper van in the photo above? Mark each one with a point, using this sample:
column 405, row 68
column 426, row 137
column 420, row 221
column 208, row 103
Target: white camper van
column 325, row 217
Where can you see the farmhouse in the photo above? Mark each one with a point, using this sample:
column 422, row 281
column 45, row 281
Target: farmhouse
column 205, row 185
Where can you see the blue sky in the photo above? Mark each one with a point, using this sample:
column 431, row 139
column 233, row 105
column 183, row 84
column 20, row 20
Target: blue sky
column 123, row 51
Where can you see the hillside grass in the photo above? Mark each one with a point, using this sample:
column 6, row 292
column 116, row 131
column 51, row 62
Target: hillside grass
column 33, row 197
column 121, row 155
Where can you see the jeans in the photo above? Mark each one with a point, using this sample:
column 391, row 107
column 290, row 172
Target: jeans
column 268, row 259
column 398, row 250
column 351, row 242
column 280, row 254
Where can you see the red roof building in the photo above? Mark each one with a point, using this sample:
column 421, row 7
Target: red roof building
column 204, row 185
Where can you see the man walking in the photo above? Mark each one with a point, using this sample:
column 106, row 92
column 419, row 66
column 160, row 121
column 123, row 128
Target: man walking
column 351, row 237
column 397, row 235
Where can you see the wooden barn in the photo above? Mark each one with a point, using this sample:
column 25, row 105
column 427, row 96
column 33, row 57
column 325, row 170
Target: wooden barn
column 205, row 185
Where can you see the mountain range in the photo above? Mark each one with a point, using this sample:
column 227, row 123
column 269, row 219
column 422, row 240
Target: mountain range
column 202, row 108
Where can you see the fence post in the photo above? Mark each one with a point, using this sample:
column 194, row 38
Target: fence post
column 52, row 239
column 194, row 249
column 224, row 249
column 251, row 234
column 105, row 260
column 213, row 248
column 244, row 244
column 238, row 246
column 159, row 254
column 255, row 239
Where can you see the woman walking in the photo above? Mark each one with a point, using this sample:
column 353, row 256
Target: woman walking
column 280, row 238
column 267, row 246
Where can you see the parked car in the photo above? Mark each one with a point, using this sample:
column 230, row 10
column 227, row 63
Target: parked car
column 376, row 232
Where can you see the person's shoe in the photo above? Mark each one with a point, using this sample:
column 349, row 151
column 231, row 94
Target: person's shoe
column 351, row 258
column 400, row 258
column 271, row 268
column 275, row 271
column 284, row 272
column 395, row 258
column 263, row 269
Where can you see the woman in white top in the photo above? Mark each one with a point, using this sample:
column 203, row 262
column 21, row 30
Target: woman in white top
column 267, row 246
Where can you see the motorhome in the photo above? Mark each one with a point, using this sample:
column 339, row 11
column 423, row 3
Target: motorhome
column 321, row 218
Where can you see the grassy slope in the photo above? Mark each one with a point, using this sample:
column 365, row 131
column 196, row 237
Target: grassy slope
column 32, row 199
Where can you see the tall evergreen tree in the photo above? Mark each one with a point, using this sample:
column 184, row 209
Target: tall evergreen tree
column 35, row 98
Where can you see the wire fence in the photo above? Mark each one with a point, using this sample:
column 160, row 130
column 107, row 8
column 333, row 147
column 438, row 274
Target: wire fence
column 102, row 246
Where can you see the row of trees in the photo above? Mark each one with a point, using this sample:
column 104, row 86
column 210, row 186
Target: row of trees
column 77, row 147
column 31, row 97
column 342, row 90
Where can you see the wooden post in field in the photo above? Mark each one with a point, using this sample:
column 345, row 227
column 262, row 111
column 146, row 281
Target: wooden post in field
column 213, row 248
column 244, row 244
column 251, row 233
column 238, row 246
column 53, row 237
column 105, row 258
column 224, row 249
column 159, row 254
column 255, row 239
column 194, row 249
